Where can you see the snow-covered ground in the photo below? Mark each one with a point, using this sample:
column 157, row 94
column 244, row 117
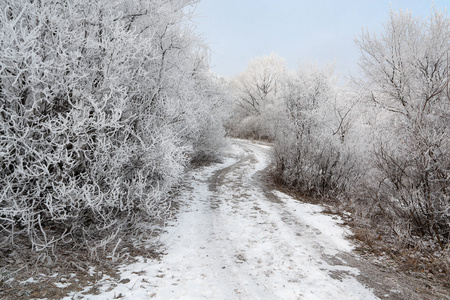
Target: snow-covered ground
column 234, row 239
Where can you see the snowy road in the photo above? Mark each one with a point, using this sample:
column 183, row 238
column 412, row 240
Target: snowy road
column 234, row 239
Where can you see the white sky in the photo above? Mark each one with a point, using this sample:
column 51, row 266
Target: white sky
column 298, row 30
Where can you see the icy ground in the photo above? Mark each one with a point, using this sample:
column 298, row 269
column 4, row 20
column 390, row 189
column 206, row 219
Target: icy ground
column 235, row 239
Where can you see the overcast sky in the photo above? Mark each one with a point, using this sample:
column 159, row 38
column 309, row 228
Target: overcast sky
column 298, row 30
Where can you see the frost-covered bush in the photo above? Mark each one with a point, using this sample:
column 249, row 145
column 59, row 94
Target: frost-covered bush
column 309, row 142
column 209, row 111
column 101, row 107
column 408, row 69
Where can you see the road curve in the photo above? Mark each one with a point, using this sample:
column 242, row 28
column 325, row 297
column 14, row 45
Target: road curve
column 237, row 240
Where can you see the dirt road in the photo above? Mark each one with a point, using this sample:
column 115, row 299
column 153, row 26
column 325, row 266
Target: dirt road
column 234, row 238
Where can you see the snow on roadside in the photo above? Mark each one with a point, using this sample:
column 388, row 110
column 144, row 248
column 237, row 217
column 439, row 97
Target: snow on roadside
column 231, row 242
column 330, row 231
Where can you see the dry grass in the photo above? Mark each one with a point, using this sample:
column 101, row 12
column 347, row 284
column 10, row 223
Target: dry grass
column 75, row 269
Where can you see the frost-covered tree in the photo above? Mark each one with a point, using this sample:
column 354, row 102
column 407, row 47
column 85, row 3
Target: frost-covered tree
column 407, row 67
column 102, row 105
column 256, row 93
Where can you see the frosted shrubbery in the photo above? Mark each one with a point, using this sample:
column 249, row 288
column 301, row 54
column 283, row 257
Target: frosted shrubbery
column 303, row 114
column 381, row 146
column 309, row 140
column 408, row 69
column 102, row 105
